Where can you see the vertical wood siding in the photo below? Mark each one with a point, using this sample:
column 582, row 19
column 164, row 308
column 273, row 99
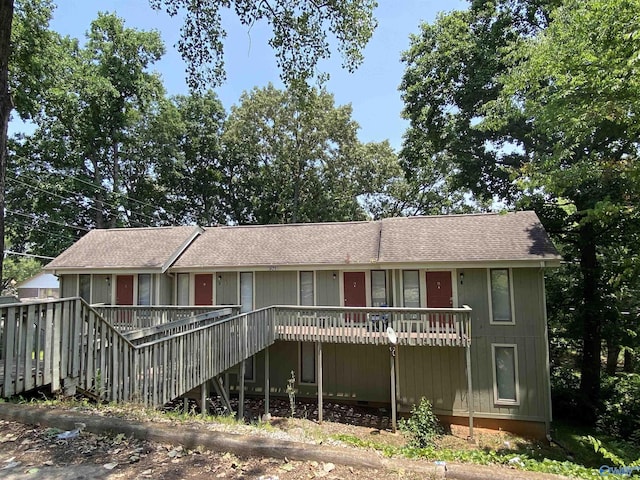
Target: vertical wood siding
column 327, row 288
column 226, row 288
column 351, row 372
column 275, row 288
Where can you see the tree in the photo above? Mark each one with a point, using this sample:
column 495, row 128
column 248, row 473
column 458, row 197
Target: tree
column 195, row 179
column 87, row 164
column 577, row 87
column 17, row 270
column 297, row 159
column 299, row 38
column 299, row 34
column 529, row 104
column 24, row 72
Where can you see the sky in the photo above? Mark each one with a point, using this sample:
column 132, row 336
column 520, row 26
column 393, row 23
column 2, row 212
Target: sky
column 372, row 90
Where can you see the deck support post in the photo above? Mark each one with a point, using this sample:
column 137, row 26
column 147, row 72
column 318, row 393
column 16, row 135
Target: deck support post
column 241, row 394
column 319, row 379
column 204, row 393
column 267, row 385
column 469, row 389
column 392, row 356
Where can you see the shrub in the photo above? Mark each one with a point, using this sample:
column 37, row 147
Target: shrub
column 620, row 414
column 423, row 427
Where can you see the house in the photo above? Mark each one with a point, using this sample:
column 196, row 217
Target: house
column 40, row 286
column 495, row 373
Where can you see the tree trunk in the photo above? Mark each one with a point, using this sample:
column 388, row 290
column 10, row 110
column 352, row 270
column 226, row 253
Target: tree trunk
column 591, row 313
column 613, row 353
column 629, row 364
column 6, row 105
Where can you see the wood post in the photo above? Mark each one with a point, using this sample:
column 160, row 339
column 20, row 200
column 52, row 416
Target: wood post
column 241, row 393
column 392, row 356
column 469, row 390
column 319, row 379
column 267, row 385
column 204, row 391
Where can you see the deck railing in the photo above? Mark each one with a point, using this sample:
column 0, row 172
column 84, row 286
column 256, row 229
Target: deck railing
column 66, row 343
column 133, row 317
column 412, row 326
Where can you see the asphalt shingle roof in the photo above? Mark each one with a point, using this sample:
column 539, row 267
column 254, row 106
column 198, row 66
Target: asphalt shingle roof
column 298, row 244
column 462, row 238
column 124, row 248
column 515, row 236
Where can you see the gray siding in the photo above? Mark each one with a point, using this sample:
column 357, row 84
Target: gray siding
column 327, row 288
column 436, row 373
column 101, row 289
column 165, row 289
column 226, row 288
column 68, row 285
column 351, row 372
column 275, row 288
column 527, row 334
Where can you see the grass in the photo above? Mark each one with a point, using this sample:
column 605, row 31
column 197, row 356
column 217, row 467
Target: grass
column 571, row 454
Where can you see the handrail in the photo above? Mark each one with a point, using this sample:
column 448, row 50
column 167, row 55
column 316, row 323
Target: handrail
column 186, row 323
column 67, row 343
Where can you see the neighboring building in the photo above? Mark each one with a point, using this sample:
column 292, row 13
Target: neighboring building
column 40, row 286
column 494, row 263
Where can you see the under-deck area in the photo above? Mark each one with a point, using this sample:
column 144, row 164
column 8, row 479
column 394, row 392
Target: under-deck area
column 153, row 355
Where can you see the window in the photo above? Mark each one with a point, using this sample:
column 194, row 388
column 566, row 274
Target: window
column 505, row 374
column 183, row 289
column 378, row 288
column 85, row 287
column 249, row 369
column 306, row 288
column 246, row 292
column 411, row 288
column 500, row 296
column 144, row 289
column 307, row 362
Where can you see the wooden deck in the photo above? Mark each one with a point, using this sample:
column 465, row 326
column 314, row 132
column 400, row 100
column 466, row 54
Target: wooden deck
column 69, row 341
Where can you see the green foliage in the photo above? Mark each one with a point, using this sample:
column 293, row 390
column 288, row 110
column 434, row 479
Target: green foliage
column 295, row 157
column 620, row 414
column 300, row 31
column 422, row 427
column 16, row 270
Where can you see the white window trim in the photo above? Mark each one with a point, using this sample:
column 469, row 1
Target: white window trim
column 313, row 286
column 505, row 401
column 315, row 363
column 511, row 297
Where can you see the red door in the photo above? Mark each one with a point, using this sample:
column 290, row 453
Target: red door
column 440, row 295
column 439, row 290
column 124, row 290
column 204, row 289
column 355, row 293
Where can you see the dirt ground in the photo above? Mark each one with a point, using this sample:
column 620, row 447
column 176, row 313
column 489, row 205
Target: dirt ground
column 38, row 452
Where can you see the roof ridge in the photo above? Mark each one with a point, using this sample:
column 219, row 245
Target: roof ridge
column 309, row 224
column 457, row 215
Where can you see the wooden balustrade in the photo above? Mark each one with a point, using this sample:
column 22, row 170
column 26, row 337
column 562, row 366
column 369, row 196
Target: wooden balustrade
column 413, row 326
column 133, row 317
column 67, row 343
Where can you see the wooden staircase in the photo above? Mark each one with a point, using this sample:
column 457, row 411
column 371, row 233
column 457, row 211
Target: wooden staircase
column 69, row 345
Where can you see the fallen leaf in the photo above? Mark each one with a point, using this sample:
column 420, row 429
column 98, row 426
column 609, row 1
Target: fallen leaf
column 110, row 466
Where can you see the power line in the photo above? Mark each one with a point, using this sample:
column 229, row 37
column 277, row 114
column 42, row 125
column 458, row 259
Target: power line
column 89, row 207
column 30, row 227
column 154, row 207
column 43, row 219
column 9, row 252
